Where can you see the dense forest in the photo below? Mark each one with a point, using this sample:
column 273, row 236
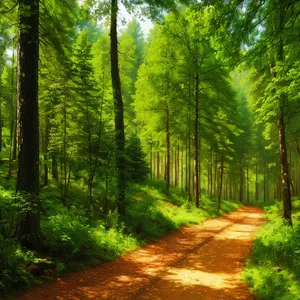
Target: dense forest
column 105, row 123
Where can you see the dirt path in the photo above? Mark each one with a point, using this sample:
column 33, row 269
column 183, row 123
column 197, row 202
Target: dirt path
column 199, row 262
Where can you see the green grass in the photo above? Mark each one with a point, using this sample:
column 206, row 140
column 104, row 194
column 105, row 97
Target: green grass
column 273, row 268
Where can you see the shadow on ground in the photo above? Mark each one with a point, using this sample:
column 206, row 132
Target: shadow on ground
column 198, row 262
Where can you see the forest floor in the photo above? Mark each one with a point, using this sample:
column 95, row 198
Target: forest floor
column 202, row 261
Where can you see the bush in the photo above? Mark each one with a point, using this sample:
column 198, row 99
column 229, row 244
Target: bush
column 13, row 265
column 273, row 269
column 68, row 235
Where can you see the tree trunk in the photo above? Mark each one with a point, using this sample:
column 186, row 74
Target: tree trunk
column 241, row 196
column 182, row 168
column 230, row 187
column 286, row 192
column 256, row 184
column 215, row 176
column 54, row 167
column 46, row 142
column 119, row 110
column 211, row 174
column 189, row 168
column 171, row 168
column 265, row 185
column 168, row 144
column 248, row 192
column 12, row 116
column 221, row 182
column 176, row 167
column 196, row 141
column 28, row 124
column 151, row 161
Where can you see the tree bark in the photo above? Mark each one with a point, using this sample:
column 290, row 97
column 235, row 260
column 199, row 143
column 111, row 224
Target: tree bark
column 286, row 192
column 46, row 143
column 241, row 195
column 230, row 187
column 168, row 158
column 196, row 141
column 182, row 168
column 12, row 131
column 221, row 182
column 265, row 185
column 119, row 110
column 248, row 192
column 28, row 124
column 176, row 162
column 215, row 176
column 151, row 161
column 256, row 184
column 54, row 168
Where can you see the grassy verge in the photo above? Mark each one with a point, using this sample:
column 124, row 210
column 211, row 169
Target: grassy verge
column 75, row 237
column 273, row 268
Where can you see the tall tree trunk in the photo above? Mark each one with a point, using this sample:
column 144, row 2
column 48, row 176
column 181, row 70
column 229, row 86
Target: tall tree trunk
column 46, row 142
column 285, row 179
column 199, row 166
column 189, row 168
column 178, row 165
column 221, row 182
column 168, row 158
column 226, row 188
column 12, row 116
column 208, row 177
column 196, row 141
column 215, row 176
column 265, row 185
column 182, row 168
column 241, row 195
column 119, row 110
column 176, row 161
column 28, row 124
column 54, row 168
column 248, row 192
column 230, row 187
column 151, row 161
column 171, row 168
column 256, row 184
column 286, row 192
column 15, row 140
column 211, row 174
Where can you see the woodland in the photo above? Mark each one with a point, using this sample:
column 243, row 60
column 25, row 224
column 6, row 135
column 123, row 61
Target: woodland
column 112, row 135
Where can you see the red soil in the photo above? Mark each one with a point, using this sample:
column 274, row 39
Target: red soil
column 202, row 261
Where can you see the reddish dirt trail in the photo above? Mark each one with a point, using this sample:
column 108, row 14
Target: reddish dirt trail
column 202, row 261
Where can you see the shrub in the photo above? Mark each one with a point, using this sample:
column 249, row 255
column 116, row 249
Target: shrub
column 13, row 265
column 273, row 269
column 68, row 235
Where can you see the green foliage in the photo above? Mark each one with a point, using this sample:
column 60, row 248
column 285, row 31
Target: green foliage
column 152, row 214
column 272, row 270
column 13, row 261
column 137, row 168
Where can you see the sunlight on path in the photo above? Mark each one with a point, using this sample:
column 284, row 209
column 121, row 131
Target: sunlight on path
column 199, row 262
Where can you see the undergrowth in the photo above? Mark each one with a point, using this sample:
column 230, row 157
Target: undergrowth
column 74, row 236
column 273, row 268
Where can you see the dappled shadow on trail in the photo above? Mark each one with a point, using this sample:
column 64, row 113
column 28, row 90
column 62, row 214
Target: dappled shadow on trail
column 202, row 261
